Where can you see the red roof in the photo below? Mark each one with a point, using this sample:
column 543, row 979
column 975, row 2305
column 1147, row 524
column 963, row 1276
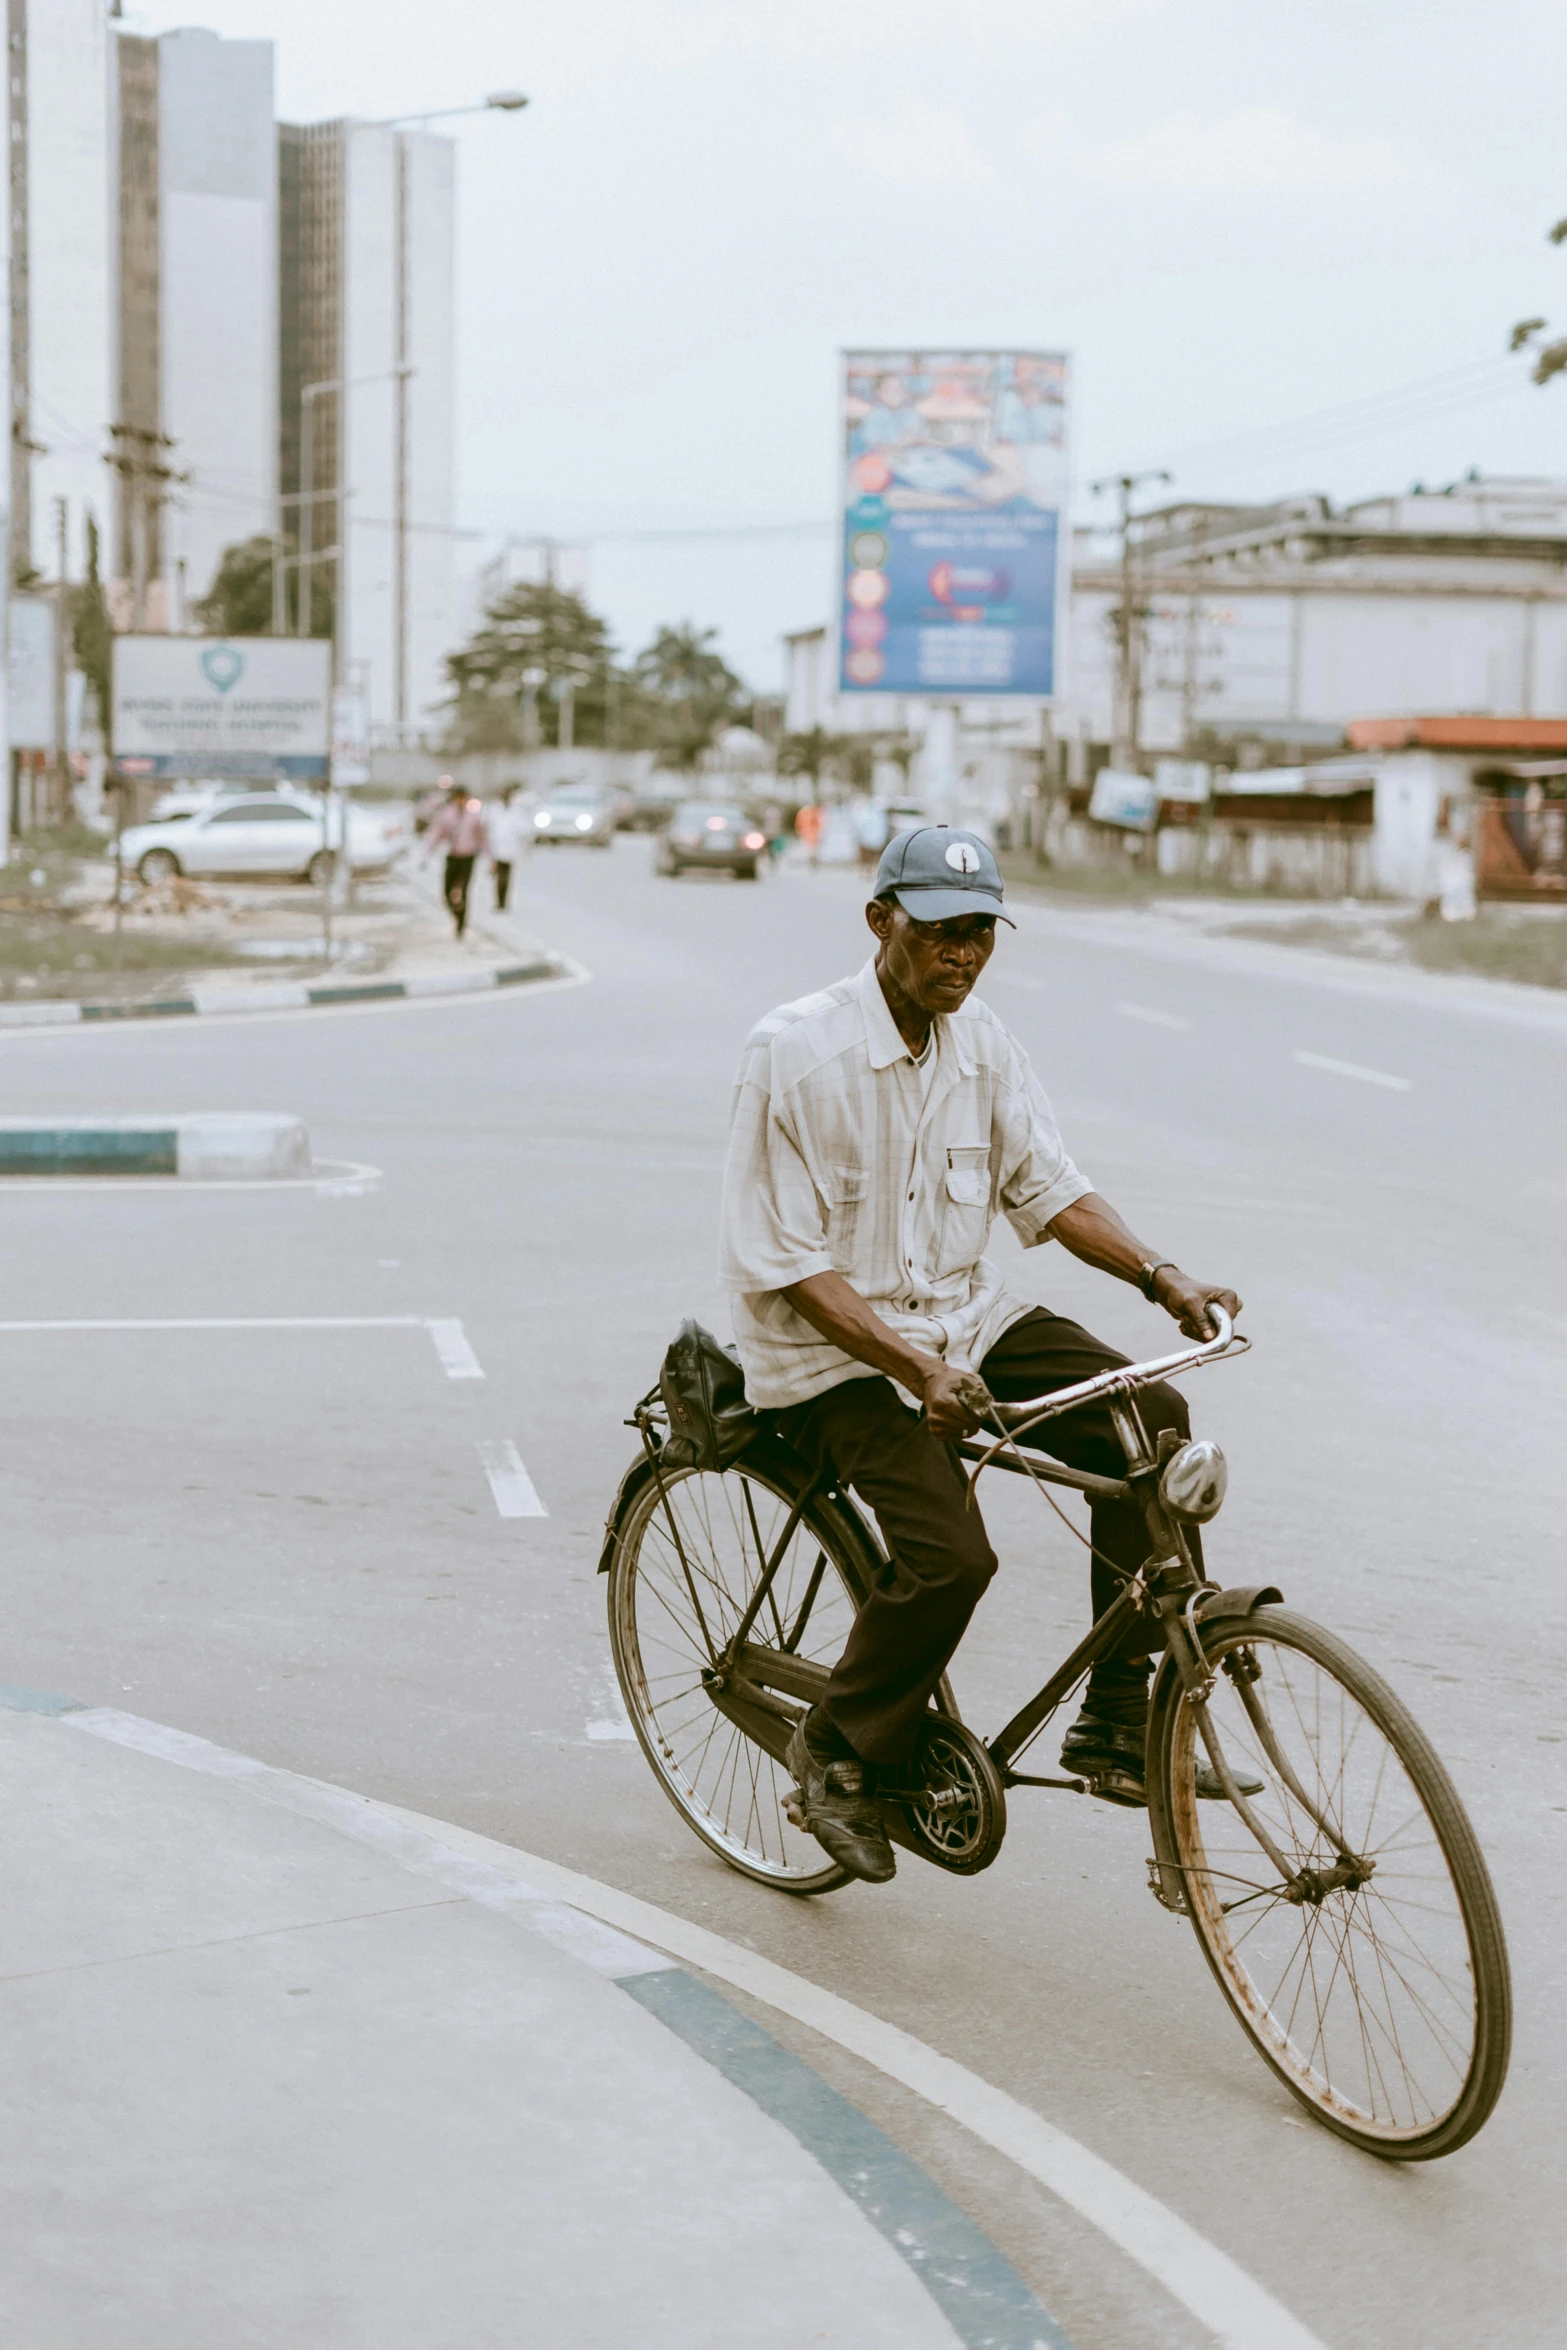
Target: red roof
column 1462, row 733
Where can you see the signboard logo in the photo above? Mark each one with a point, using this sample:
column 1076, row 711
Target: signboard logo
column 222, row 666
column 963, row 857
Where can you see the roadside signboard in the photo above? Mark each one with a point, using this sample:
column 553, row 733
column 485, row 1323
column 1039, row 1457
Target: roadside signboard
column 30, row 672
column 252, row 708
column 1121, row 797
column 1190, row 780
column 955, row 535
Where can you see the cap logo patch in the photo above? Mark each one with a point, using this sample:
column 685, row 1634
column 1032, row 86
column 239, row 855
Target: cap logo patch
column 963, row 857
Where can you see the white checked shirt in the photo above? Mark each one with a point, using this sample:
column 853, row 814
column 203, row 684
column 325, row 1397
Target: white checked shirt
column 840, row 1160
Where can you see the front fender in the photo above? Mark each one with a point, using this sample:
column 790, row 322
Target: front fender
column 1214, row 1607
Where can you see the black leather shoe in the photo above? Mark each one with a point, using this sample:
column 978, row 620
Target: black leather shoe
column 834, row 1803
column 1110, row 1756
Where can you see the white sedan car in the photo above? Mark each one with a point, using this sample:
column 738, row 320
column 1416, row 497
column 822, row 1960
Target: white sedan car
column 263, row 837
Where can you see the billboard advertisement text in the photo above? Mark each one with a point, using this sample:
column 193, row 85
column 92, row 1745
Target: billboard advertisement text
column 955, row 493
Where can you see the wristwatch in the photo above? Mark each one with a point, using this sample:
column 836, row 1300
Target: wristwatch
column 1145, row 1275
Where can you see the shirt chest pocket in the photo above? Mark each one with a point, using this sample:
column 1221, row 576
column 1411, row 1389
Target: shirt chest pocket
column 968, row 1175
column 965, row 1217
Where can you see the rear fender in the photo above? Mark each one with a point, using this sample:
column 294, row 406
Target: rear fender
column 1214, row 1607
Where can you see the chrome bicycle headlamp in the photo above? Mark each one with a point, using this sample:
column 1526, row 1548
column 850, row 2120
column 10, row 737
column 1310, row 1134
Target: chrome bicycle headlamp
column 1194, row 1481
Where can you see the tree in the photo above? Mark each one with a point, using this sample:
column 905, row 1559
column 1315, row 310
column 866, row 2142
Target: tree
column 90, row 632
column 538, row 645
column 239, row 601
column 1550, row 358
column 850, row 757
column 687, row 691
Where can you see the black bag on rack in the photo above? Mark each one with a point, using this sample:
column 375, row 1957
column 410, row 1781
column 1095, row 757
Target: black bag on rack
column 703, row 1386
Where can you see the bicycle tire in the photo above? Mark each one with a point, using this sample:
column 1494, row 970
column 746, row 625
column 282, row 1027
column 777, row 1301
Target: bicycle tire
column 1413, row 1960
column 724, row 1785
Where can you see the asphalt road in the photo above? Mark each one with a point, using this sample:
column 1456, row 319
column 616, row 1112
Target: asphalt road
column 286, row 1540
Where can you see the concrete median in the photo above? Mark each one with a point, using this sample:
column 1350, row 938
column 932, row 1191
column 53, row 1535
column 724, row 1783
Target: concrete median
column 206, row 1146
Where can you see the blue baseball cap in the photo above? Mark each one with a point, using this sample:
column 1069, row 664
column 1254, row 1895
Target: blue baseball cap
column 939, row 874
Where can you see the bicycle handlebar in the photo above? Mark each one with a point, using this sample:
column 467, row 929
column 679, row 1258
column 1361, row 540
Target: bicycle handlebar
column 1123, row 1380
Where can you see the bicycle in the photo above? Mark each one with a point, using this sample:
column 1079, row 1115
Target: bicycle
column 1344, row 1906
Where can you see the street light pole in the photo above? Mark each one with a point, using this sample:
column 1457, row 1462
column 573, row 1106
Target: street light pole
column 498, row 102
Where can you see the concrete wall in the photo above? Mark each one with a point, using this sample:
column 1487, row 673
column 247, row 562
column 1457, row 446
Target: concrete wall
column 71, row 216
column 1253, row 657
column 217, row 151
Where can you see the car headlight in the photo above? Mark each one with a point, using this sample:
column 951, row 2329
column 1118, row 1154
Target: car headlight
column 541, row 820
column 584, row 824
column 754, row 840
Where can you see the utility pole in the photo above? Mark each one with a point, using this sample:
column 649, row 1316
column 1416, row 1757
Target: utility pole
column 139, row 456
column 400, row 486
column 62, row 635
column 1129, row 633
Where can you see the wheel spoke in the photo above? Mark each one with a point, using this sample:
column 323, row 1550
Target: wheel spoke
column 1356, row 1976
column 698, row 1554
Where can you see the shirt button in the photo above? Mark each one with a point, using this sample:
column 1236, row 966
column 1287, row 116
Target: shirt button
column 911, row 1195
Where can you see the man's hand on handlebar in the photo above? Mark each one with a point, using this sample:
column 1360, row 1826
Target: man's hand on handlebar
column 955, row 1402
column 1188, row 1301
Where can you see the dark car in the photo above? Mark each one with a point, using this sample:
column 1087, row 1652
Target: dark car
column 711, row 834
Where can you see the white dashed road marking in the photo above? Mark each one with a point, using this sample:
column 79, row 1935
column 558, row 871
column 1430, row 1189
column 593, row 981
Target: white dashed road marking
column 516, row 1495
column 1153, row 1018
column 1353, row 1069
column 458, row 1359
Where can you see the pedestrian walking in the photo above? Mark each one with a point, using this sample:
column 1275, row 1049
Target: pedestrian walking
column 808, row 829
column 459, row 828
column 505, row 824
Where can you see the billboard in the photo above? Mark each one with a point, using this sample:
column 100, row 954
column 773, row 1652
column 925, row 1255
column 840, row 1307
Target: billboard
column 254, row 708
column 955, row 522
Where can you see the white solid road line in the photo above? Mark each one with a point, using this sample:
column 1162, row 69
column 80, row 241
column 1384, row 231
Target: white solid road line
column 1353, row 1069
column 448, row 1337
column 1154, row 1019
column 1238, row 2311
column 247, row 1322
column 516, row 1495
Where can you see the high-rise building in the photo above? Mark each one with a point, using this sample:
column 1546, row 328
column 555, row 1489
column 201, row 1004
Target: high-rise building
column 61, row 272
column 195, row 441
column 365, row 386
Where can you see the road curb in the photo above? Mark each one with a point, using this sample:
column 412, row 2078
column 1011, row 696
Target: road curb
column 205, row 1147
column 284, row 998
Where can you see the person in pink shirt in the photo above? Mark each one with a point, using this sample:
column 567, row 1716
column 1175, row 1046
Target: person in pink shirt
column 459, row 828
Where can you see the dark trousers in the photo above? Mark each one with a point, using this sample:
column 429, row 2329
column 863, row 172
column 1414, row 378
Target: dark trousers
column 502, row 884
column 939, row 1555
column 454, row 888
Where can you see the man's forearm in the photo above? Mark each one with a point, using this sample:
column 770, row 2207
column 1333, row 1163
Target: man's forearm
column 1091, row 1230
column 830, row 1305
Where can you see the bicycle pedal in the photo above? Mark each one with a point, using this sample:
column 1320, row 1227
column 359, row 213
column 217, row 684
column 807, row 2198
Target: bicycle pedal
column 1117, row 1787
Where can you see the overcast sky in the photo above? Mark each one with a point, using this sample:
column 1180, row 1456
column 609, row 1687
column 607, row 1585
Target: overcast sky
column 1233, row 213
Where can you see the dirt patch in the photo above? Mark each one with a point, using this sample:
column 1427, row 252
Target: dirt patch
column 1524, row 943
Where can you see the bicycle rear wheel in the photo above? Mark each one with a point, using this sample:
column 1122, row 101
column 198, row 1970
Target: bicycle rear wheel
column 681, row 1578
column 1371, row 1973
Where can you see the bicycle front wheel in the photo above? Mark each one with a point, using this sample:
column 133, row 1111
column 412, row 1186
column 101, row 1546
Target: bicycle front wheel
column 687, row 1562
column 1370, row 1970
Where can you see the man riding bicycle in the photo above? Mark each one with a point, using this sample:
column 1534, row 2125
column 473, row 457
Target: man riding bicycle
column 878, row 1129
